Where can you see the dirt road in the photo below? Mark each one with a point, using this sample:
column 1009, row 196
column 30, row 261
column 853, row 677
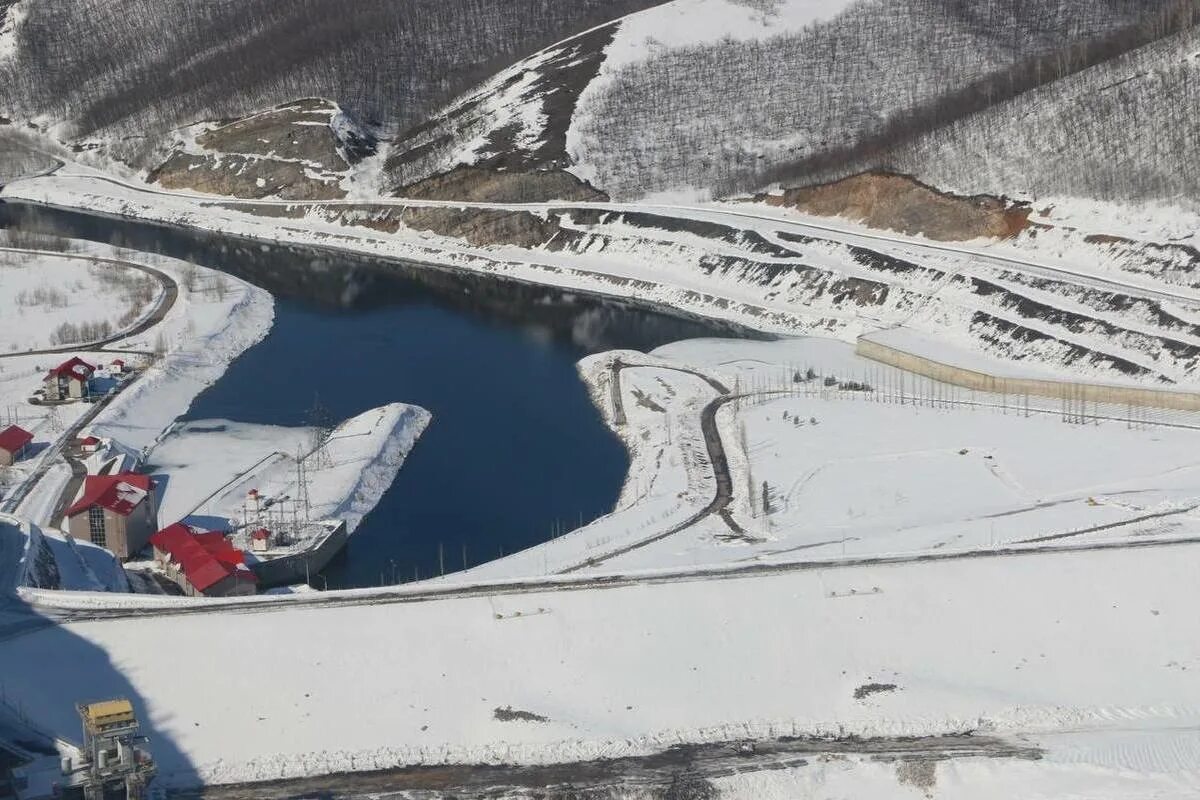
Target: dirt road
column 684, row 772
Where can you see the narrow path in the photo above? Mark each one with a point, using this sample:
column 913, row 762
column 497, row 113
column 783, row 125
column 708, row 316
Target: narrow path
column 54, row 613
column 717, row 457
column 166, row 301
column 78, row 473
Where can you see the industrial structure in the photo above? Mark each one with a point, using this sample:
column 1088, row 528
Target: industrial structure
column 112, row 763
column 114, row 511
column 202, row 563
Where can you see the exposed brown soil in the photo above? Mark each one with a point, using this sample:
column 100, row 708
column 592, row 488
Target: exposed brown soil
column 477, row 227
column 243, row 176
column 903, row 204
column 296, row 131
column 288, row 152
column 482, row 185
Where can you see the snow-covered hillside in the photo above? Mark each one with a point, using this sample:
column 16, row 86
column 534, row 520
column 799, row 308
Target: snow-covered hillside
column 1133, row 134
column 713, row 96
column 142, row 67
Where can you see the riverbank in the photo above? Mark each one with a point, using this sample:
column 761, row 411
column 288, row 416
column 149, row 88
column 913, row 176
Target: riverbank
column 1038, row 299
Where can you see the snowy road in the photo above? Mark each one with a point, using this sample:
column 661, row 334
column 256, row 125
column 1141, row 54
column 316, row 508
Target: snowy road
column 166, row 301
column 896, row 244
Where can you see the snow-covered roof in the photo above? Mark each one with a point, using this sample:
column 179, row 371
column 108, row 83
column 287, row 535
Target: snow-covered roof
column 120, row 493
column 74, row 367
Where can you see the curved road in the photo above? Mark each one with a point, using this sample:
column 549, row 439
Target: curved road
column 720, row 215
column 166, row 301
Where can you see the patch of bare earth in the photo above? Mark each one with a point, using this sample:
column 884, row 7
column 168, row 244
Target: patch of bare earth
column 476, row 227
column 903, row 204
column 920, row 774
column 289, row 152
column 490, row 185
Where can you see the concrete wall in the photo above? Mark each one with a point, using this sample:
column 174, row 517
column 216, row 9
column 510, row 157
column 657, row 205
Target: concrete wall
column 291, row 569
column 1036, row 387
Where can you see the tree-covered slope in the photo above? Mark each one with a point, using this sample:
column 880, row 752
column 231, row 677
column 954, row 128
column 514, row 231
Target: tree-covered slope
column 143, row 66
column 713, row 97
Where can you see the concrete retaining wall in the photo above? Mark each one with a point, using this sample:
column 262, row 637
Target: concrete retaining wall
column 291, row 569
column 1036, row 387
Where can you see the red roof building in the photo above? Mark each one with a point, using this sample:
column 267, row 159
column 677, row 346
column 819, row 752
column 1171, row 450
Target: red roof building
column 114, row 511
column 120, row 493
column 13, row 441
column 69, row 379
column 203, row 562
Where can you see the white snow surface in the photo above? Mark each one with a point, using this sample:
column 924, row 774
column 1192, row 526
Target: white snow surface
column 1020, row 645
column 39, row 293
column 688, row 23
column 212, row 464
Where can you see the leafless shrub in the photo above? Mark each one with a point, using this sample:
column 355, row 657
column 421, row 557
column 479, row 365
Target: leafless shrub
column 42, row 295
column 71, row 333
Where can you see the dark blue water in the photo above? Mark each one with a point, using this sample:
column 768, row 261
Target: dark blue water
column 515, row 453
column 515, row 446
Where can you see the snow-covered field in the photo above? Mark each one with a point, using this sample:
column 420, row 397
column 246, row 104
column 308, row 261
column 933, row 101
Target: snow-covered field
column 964, row 623
column 49, row 301
column 1021, row 647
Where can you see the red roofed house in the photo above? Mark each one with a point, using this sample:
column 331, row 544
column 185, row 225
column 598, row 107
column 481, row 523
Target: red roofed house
column 114, row 511
column 68, row 379
column 203, row 562
column 13, row 441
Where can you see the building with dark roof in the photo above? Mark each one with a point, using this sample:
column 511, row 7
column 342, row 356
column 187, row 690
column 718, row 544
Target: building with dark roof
column 203, row 563
column 114, row 511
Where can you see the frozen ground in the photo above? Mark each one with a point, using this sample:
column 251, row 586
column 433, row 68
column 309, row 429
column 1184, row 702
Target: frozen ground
column 965, row 623
column 831, row 456
column 1019, row 646
column 50, row 301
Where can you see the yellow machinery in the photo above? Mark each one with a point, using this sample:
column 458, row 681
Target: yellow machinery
column 111, row 760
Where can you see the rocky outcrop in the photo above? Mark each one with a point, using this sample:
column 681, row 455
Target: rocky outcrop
column 476, row 227
column 244, row 177
column 298, row 151
column 900, row 203
column 480, row 185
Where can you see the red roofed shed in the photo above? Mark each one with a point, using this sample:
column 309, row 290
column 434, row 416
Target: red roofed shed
column 13, row 441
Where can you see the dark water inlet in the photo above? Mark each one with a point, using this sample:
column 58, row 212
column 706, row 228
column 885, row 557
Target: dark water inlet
column 516, row 451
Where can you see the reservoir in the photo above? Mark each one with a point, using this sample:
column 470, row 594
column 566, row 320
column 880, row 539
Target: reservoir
column 516, row 451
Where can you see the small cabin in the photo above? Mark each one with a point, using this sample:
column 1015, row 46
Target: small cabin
column 14, row 444
column 260, row 540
